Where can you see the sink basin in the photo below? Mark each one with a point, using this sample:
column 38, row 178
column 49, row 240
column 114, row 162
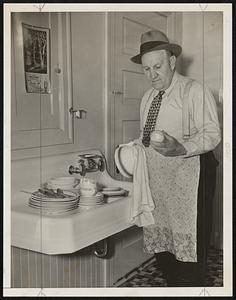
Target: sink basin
column 69, row 233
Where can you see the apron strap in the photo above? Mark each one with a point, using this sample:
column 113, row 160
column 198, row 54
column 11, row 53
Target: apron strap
column 185, row 111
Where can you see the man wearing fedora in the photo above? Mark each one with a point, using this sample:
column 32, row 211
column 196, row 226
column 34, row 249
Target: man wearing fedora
column 181, row 167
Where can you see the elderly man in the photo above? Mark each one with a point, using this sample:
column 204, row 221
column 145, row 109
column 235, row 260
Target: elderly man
column 181, row 167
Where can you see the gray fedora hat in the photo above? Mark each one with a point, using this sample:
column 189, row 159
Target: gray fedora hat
column 155, row 40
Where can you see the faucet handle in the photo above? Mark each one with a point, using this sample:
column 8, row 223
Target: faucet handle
column 83, row 167
column 73, row 170
column 101, row 164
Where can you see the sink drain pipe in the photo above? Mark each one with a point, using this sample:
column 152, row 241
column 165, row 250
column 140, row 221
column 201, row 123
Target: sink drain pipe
column 101, row 251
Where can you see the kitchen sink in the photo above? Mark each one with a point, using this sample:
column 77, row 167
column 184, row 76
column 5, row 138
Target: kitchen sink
column 78, row 229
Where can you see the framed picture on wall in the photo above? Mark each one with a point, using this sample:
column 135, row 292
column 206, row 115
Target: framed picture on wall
column 36, row 49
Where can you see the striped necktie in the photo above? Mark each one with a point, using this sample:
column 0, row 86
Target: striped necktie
column 151, row 118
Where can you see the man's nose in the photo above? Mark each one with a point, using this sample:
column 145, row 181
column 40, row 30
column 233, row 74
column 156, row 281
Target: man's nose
column 153, row 74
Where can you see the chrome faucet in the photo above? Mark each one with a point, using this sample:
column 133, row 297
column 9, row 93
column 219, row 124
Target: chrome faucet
column 88, row 163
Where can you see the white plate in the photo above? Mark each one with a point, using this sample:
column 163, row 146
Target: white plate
column 90, row 201
column 63, row 180
column 110, row 189
column 61, row 186
column 92, row 197
column 119, row 164
column 62, row 183
column 53, row 206
column 99, row 194
column 54, row 210
column 70, row 196
column 114, row 193
column 52, row 203
column 94, row 204
column 51, row 200
column 58, row 207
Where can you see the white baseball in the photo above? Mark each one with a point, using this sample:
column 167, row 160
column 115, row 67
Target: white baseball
column 157, row 136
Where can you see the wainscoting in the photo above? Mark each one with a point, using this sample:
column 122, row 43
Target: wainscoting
column 35, row 270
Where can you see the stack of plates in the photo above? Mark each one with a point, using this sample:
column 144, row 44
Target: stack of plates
column 64, row 183
column 54, row 206
column 91, row 201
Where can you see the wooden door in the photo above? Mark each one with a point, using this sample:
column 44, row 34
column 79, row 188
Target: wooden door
column 127, row 82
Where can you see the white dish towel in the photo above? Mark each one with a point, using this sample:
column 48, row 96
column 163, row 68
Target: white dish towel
column 141, row 204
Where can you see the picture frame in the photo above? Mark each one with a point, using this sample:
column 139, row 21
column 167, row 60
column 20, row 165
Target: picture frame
column 36, row 52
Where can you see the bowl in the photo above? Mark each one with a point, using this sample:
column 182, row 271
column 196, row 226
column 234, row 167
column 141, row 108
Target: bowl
column 124, row 159
column 88, row 192
column 62, row 180
column 61, row 186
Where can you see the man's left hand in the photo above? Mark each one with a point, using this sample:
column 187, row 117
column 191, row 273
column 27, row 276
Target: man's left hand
column 169, row 146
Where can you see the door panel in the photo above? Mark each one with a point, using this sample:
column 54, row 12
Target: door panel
column 129, row 129
column 132, row 91
column 128, row 254
column 137, row 23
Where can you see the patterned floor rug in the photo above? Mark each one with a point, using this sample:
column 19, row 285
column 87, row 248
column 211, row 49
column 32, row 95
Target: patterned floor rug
column 148, row 275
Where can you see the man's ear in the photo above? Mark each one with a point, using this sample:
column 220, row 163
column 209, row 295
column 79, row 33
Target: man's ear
column 172, row 62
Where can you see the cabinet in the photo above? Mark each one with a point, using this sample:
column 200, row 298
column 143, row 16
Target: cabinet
column 127, row 254
column 42, row 119
column 32, row 269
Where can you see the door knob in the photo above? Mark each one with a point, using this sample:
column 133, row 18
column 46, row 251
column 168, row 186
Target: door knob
column 79, row 114
column 117, row 93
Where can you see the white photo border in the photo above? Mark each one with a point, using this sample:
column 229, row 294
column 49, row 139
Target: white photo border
column 227, row 288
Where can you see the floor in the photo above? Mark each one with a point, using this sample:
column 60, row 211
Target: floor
column 148, row 275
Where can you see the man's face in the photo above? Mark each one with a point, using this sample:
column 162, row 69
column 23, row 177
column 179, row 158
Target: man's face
column 159, row 67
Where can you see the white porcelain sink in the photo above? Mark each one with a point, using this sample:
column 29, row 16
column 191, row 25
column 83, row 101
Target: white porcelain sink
column 70, row 233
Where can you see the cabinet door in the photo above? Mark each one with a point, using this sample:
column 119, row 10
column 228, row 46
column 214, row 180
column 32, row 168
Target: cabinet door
column 128, row 254
column 42, row 119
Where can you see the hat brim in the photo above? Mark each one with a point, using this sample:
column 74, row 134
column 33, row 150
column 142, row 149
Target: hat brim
column 174, row 48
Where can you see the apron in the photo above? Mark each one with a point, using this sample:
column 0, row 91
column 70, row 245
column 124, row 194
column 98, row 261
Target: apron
column 173, row 183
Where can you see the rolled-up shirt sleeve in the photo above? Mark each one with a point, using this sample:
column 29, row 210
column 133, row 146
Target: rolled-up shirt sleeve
column 203, row 112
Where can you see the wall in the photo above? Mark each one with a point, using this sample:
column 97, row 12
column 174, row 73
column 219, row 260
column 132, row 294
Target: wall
column 204, row 52
column 203, row 60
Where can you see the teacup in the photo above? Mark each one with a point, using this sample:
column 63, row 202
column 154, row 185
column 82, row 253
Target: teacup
column 87, row 187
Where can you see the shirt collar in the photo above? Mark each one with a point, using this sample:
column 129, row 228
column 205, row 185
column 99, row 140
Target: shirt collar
column 174, row 79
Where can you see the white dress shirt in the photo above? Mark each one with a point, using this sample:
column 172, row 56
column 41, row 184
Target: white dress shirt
column 204, row 124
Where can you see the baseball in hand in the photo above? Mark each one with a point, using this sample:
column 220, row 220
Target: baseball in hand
column 157, row 136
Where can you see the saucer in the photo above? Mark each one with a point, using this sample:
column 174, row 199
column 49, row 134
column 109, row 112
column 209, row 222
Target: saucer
column 114, row 193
